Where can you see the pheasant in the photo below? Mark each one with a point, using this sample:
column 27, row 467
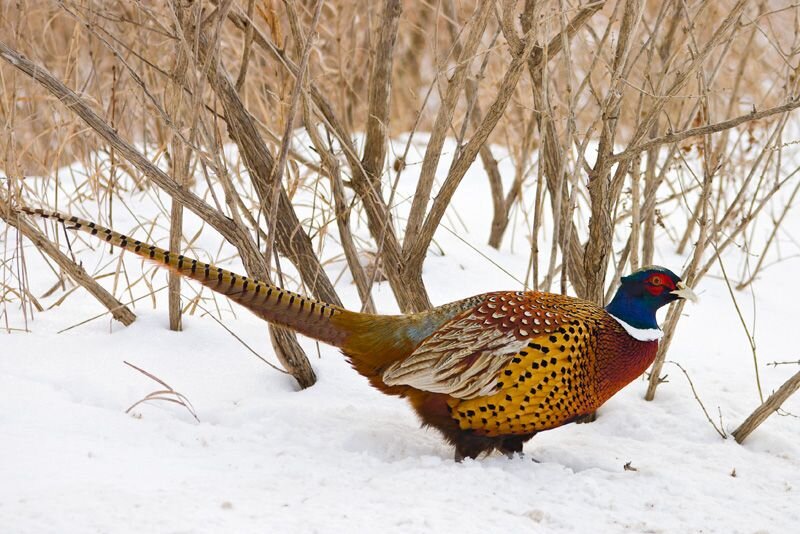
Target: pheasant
column 489, row 371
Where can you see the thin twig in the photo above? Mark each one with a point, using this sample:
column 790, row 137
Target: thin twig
column 168, row 394
column 719, row 429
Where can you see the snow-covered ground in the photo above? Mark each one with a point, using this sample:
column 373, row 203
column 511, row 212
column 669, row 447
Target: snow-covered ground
column 341, row 457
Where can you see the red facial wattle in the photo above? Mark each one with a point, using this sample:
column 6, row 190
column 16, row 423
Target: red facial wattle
column 654, row 290
column 658, row 283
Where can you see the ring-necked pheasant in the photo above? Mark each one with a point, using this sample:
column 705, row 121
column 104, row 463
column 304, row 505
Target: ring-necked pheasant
column 489, row 371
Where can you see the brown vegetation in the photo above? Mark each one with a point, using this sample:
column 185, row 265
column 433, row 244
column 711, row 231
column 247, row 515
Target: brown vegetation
column 599, row 103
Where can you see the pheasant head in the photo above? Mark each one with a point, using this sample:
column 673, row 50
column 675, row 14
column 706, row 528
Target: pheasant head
column 643, row 292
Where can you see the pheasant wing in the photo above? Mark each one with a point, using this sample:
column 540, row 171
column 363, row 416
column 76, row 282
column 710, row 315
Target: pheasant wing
column 460, row 359
column 467, row 357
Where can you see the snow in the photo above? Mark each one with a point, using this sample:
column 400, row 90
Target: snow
column 341, row 457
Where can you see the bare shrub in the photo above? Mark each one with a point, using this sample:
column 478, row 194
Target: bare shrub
column 634, row 127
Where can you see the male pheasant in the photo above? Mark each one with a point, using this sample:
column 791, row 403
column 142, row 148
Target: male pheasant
column 489, row 371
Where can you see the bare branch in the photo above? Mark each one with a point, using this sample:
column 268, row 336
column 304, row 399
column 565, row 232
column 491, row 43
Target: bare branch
column 676, row 137
column 433, row 151
column 766, row 409
column 380, row 92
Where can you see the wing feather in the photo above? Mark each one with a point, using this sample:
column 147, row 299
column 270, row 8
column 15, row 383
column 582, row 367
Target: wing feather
column 464, row 358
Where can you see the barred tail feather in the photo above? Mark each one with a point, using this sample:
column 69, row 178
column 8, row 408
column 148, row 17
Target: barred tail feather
column 310, row 317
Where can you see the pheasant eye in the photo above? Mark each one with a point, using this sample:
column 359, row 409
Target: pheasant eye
column 656, row 280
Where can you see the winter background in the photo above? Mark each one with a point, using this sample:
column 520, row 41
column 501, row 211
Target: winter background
column 341, row 457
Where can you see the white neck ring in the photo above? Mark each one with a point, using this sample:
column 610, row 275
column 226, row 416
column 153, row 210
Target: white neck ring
column 640, row 334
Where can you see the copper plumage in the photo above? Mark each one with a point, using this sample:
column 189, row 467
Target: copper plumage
column 489, row 371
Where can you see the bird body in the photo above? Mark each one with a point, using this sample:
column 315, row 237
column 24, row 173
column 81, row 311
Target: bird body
column 489, row 371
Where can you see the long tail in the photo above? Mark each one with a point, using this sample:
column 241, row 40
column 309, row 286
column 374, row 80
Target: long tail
column 319, row 320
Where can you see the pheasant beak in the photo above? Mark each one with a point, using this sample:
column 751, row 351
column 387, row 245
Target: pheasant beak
column 684, row 292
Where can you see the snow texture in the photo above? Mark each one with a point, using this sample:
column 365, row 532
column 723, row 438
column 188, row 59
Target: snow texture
column 340, row 456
